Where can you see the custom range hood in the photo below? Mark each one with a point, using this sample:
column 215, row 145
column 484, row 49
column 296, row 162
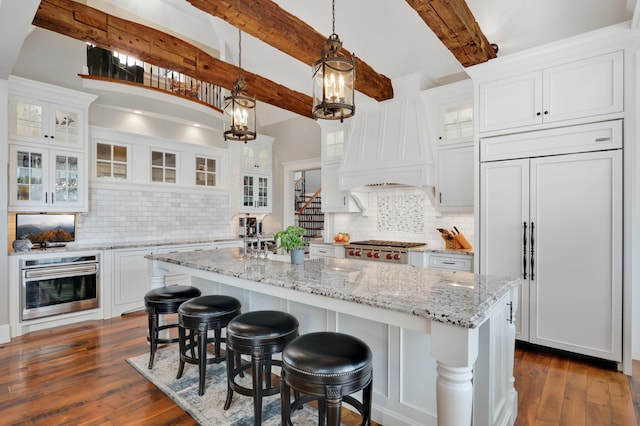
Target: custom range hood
column 388, row 145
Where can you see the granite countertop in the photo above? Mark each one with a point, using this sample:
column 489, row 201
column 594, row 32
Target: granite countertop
column 459, row 298
column 72, row 247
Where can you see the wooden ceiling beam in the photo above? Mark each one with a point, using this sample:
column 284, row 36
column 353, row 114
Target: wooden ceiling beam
column 85, row 23
column 268, row 22
column 454, row 24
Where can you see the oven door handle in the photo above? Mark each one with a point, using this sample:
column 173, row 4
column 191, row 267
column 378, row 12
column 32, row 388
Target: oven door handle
column 61, row 272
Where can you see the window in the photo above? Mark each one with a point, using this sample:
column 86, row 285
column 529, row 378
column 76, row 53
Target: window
column 205, row 171
column 111, row 161
column 163, row 167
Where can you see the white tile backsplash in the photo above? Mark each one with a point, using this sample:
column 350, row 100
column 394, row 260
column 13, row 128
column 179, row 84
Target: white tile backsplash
column 141, row 216
column 402, row 214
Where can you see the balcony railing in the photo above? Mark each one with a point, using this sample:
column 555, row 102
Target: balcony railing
column 118, row 66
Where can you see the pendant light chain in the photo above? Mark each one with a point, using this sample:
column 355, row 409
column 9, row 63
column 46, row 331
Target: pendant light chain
column 333, row 19
column 240, row 49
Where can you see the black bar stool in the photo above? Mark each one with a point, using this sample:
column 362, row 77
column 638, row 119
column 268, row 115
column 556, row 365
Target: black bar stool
column 260, row 334
column 326, row 367
column 163, row 301
column 198, row 316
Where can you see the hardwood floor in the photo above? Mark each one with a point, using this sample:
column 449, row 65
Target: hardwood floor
column 77, row 375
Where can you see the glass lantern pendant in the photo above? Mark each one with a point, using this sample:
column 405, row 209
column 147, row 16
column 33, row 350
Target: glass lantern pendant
column 239, row 110
column 333, row 81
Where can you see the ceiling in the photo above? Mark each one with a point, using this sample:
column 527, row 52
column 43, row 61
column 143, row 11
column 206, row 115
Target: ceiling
column 388, row 35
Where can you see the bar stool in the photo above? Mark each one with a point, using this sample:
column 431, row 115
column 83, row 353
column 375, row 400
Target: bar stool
column 198, row 316
column 326, row 367
column 163, row 301
column 260, row 334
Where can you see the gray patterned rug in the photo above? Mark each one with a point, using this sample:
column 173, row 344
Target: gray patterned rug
column 208, row 409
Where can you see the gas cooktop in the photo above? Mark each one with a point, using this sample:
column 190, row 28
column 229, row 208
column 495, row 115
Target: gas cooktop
column 386, row 243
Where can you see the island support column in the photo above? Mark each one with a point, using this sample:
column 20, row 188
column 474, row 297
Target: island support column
column 455, row 349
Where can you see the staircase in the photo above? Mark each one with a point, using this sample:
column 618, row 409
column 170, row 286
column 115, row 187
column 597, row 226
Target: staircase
column 308, row 210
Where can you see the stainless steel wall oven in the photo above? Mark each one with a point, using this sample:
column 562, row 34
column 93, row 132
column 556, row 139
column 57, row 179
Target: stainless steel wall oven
column 59, row 285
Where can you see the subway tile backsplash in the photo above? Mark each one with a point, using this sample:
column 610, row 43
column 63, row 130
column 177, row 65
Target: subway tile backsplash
column 402, row 214
column 153, row 216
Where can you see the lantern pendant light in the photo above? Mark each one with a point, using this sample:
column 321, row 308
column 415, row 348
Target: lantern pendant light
column 240, row 109
column 334, row 78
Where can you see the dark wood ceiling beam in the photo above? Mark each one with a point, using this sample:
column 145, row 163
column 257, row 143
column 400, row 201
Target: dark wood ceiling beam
column 456, row 27
column 268, row 22
column 85, row 23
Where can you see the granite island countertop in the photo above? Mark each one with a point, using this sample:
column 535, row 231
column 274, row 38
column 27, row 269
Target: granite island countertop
column 458, row 298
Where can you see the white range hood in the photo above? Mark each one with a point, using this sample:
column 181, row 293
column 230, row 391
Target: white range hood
column 388, row 144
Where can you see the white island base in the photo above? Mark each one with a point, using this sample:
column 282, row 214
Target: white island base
column 426, row 372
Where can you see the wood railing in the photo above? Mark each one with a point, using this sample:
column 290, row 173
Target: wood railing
column 309, row 201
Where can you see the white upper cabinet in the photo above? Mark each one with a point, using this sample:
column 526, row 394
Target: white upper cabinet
column 581, row 89
column 46, row 180
column 251, row 175
column 455, row 121
column 45, row 114
column 450, row 111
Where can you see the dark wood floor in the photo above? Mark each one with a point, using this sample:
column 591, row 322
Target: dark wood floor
column 77, row 375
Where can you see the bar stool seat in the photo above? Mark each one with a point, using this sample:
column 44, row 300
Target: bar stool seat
column 196, row 317
column 260, row 334
column 327, row 367
column 163, row 301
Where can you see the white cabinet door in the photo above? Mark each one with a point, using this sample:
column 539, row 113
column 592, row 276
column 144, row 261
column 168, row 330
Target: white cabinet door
column 455, row 122
column 584, row 88
column 46, row 180
column 510, row 102
column 504, row 211
column 455, row 179
column 334, row 200
column 256, row 193
column 34, row 120
column 557, row 222
column 576, row 292
column 580, row 89
column 131, row 279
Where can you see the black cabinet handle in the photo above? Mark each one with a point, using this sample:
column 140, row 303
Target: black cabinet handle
column 52, row 199
column 546, row 113
column 440, row 197
column 533, row 275
column 46, row 198
column 524, row 251
column 538, row 114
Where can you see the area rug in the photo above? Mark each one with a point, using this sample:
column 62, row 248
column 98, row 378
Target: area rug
column 209, row 409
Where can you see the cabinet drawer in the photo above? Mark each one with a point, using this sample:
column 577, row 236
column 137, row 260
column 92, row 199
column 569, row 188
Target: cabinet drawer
column 450, row 262
column 321, row 251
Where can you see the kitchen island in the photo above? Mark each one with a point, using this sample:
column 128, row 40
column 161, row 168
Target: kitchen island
column 443, row 342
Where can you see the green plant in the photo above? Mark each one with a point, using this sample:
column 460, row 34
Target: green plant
column 291, row 238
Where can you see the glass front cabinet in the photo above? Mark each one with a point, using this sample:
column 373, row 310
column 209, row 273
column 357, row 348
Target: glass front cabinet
column 42, row 179
column 256, row 193
column 33, row 120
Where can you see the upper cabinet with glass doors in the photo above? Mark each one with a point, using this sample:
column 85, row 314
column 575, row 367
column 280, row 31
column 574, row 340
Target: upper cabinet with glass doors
column 48, row 146
column 251, row 175
column 45, row 114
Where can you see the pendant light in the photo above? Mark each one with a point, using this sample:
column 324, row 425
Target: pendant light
column 334, row 78
column 240, row 109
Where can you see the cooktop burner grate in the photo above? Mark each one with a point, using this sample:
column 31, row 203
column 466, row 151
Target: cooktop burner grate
column 386, row 243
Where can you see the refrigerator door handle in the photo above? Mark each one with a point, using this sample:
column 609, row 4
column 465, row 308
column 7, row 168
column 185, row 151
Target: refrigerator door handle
column 524, row 251
column 533, row 275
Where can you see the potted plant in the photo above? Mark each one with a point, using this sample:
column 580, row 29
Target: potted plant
column 290, row 239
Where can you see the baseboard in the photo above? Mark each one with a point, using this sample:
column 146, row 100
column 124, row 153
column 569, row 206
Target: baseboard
column 5, row 333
